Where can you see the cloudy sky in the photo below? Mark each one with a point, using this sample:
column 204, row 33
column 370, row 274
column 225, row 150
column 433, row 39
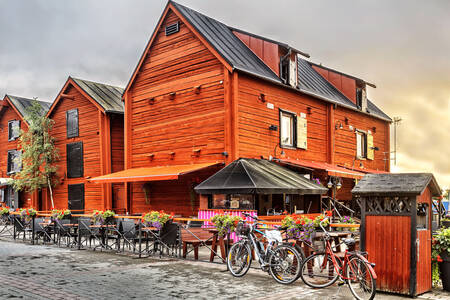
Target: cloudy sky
column 401, row 46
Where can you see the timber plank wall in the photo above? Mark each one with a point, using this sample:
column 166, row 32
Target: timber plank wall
column 8, row 114
column 89, row 135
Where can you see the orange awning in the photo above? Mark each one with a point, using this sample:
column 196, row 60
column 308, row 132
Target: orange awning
column 331, row 170
column 151, row 174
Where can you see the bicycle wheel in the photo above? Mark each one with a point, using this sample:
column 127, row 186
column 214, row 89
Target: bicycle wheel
column 239, row 259
column 361, row 282
column 318, row 271
column 284, row 264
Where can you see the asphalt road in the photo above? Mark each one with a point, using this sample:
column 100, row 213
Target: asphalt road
column 48, row 272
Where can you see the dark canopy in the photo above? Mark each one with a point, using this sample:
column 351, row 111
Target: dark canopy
column 257, row 176
column 401, row 183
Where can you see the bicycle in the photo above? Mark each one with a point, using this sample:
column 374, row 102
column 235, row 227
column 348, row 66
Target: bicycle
column 281, row 260
column 322, row 269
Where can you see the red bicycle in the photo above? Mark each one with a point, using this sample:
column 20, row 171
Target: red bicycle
column 322, row 269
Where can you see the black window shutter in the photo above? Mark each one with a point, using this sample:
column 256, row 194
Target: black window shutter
column 74, row 160
column 76, row 197
column 72, row 123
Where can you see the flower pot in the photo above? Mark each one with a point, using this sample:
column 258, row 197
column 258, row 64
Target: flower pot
column 445, row 224
column 444, row 268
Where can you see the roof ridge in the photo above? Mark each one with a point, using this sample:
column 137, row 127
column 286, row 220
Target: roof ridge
column 96, row 82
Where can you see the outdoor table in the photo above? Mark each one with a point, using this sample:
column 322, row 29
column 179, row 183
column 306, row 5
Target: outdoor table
column 219, row 241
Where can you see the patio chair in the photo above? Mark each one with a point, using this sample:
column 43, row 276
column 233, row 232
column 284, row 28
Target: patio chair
column 20, row 226
column 169, row 238
column 65, row 232
column 40, row 231
column 87, row 234
column 128, row 234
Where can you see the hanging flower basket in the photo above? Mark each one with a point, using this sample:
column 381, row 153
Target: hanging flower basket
column 156, row 219
column 27, row 214
column 103, row 217
column 225, row 223
column 4, row 211
column 300, row 228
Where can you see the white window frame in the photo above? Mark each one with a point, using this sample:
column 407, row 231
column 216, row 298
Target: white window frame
column 291, row 130
column 16, row 162
column 361, row 144
column 15, row 129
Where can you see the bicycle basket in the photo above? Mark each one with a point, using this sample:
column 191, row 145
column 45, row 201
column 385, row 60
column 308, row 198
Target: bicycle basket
column 242, row 228
column 319, row 245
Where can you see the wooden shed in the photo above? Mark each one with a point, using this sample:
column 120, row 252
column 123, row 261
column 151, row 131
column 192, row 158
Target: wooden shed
column 396, row 214
column 89, row 137
column 13, row 110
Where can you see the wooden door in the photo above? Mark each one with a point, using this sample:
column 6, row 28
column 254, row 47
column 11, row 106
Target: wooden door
column 423, row 261
column 76, row 197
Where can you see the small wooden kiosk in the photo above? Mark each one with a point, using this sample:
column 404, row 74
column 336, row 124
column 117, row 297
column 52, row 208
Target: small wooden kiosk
column 396, row 218
column 244, row 183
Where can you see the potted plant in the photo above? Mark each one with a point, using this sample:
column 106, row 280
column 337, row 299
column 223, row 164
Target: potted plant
column 4, row 211
column 102, row 217
column 320, row 218
column 27, row 214
column 64, row 214
column 225, row 223
column 446, row 222
column 300, row 228
column 156, row 219
column 346, row 220
column 441, row 258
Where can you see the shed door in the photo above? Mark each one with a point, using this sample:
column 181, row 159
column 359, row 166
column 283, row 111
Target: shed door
column 388, row 246
column 76, row 197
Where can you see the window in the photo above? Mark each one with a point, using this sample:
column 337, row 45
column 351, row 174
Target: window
column 72, row 123
column 14, row 164
column 74, row 160
column 287, row 129
column 13, row 130
column 359, row 97
column 361, row 144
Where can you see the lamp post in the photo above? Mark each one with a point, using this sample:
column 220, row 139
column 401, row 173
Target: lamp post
column 335, row 184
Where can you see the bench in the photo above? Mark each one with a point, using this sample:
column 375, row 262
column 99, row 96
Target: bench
column 196, row 237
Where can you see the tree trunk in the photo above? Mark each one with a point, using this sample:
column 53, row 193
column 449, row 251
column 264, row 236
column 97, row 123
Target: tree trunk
column 51, row 192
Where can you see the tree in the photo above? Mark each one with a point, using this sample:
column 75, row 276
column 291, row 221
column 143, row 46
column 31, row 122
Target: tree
column 39, row 154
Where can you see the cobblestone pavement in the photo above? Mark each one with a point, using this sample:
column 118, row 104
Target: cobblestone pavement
column 43, row 272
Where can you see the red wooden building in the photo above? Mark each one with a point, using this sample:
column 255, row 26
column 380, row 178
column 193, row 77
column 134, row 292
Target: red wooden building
column 13, row 111
column 205, row 94
column 89, row 137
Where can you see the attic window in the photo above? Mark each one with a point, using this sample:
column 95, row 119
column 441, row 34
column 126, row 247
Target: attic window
column 172, row 28
column 359, row 97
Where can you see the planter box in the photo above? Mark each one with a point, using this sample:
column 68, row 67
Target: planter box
column 444, row 268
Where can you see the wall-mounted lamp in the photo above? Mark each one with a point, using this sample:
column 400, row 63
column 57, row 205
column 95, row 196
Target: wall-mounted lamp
column 374, row 129
column 151, row 101
column 225, row 153
column 262, row 97
column 151, row 156
column 172, row 95
column 273, row 127
column 375, row 148
column 197, row 89
column 346, row 121
column 197, row 152
column 309, row 110
column 338, row 125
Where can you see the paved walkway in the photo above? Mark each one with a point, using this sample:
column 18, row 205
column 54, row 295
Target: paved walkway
column 42, row 272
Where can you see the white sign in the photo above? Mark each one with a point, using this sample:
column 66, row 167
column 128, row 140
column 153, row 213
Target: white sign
column 270, row 105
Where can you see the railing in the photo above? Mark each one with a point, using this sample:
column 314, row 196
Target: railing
column 183, row 237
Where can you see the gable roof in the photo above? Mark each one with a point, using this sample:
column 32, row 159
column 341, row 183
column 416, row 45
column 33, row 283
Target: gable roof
column 229, row 46
column 107, row 96
column 401, row 183
column 21, row 104
column 239, row 57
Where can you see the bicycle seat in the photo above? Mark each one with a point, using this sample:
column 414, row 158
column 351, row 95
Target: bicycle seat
column 349, row 242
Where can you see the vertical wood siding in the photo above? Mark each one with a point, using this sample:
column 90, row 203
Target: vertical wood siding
column 424, row 283
column 89, row 135
column 117, row 161
column 388, row 244
column 187, row 122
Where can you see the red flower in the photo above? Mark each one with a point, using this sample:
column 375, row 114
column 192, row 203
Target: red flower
column 329, row 213
column 284, row 212
column 439, row 259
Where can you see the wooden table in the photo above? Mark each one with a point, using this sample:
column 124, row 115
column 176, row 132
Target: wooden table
column 219, row 240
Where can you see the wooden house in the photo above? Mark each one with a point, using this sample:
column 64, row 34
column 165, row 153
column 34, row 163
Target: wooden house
column 205, row 94
column 89, row 137
column 13, row 111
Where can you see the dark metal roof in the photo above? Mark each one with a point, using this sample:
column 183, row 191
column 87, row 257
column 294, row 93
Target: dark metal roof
column 229, row 46
column 406, row 183
column 257, row 176
column 374, row 110
column 21, row 104
column 310, row 80
column 107, row 96
column 240, row 57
